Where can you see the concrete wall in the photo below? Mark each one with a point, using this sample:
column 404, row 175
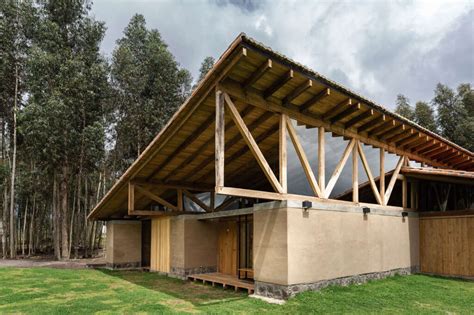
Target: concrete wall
column 124, row 239
column 293, row 246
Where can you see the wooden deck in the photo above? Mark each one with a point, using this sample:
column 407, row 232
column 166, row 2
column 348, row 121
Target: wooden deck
column 224, row 280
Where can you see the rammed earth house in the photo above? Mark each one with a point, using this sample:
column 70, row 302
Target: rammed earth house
column 274, row 179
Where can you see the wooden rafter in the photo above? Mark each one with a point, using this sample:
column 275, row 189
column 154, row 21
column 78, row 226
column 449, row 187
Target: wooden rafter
column 393, row 180
column 264, row 67
column 267, row 170
column 297, row 92
column 278, row 84
column 340, row 165
column 400, row 135
column 337, row 109
column 382, row 128
column 359, row 118
column 369, row 174
column 314, row 100
column 430, row 148
column 303, row 159
column 372, row 123
column 412, row 138
column 351, row 110
column 395, row 130
column 423, row 146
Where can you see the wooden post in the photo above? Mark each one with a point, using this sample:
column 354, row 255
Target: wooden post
column 212, row 201
column 382, row 176
column 283, row 154
column 220, row 138
column 404, row 189
column 180, row 199
column 412, row 194
column 321, row 161
column 131, row 197
column 355, row 173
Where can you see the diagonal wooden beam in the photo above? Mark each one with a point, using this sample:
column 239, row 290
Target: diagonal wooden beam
column 278, row 84
column 412, row 138
column 303, row 159
column 226, row 202
column 337, row 171
column 264, row 67
column 382, row 128
column 297, row 92
column 314, row 100
column 393, row 180
column 155, row 197
column 400, row 135
column 373, row 185
column 415, row 143
column 245, row 132
column 395, row 130
column 359, row 118
column 196, row 200
column 351, row 110
column 372, row 124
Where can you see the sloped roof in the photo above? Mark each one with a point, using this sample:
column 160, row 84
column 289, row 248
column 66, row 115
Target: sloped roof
column 262, row 84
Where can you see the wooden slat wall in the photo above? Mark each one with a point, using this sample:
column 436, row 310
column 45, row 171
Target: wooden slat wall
column 160, row 244
column 447, row 245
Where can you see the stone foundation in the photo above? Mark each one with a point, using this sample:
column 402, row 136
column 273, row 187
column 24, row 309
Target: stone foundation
column 130, row 265
column 278, row 291
column 183, row 273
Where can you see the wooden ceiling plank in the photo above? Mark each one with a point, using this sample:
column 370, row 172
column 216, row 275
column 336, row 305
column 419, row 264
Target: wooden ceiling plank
column 254, row 77
column 297, row 92
column 351, row 110
column 278, row 84
column 314, row 100
column 359, row 118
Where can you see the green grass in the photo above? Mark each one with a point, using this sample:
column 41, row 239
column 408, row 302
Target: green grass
column 60, row 291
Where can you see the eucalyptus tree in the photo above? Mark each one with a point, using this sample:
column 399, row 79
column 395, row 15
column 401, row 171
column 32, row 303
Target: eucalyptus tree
column 148, row 86
column 63, row 122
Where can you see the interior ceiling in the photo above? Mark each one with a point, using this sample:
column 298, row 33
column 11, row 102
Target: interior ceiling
column 184, row 151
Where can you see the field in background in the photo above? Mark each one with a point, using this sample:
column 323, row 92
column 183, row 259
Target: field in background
column 46, row 290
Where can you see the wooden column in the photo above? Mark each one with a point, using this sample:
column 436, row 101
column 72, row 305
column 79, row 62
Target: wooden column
column 131, row 198
column 283, row 154
column 382, row 176
column 404, row 193
column 180, row 199
column 321, row 161
column 355, row 173
column 220, row 138
column 412, row 194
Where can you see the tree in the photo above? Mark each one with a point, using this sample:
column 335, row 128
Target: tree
column 403, row 107
column 206, row 65
column 424, row 116
column 63, row 124
column 149, row 86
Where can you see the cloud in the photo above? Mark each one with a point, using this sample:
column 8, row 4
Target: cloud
column 376, row 48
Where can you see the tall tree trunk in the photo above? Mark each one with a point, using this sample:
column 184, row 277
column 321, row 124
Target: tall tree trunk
column 56, row 234
column 13, row 171
column 23, row 233
column 63, row 193
column 32, row 225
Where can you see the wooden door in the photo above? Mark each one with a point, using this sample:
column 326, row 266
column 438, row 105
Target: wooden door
column 160, row 244
column 228, row 247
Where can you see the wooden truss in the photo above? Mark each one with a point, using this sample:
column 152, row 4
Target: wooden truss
column 321, row 190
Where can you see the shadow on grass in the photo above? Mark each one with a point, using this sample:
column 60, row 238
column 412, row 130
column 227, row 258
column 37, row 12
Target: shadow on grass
column 197, row 294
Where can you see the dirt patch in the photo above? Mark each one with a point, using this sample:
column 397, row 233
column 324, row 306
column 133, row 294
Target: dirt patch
column 49, row 263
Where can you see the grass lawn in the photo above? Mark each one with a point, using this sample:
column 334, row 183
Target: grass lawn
column 43, row 290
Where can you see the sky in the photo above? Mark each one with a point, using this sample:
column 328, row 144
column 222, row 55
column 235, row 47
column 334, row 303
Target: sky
column 376, row 48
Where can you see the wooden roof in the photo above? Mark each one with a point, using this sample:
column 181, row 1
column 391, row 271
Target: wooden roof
column 262, row 84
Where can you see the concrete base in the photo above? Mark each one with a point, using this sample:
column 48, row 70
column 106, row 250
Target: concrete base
column 277, row 291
